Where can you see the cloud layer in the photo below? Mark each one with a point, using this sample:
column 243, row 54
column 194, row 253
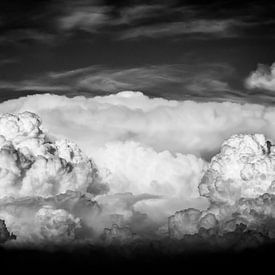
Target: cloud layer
column 146, row 159
column 177, row 126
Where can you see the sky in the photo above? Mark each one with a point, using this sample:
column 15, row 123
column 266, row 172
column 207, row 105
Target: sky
column 204, row 51
column 157, row 117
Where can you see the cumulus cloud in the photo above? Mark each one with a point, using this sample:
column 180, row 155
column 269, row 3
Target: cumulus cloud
column 262, row 78
column 245, row 165
column 146, row 159
column 171, row 180
column 52, row 192
column 57, row 225
column 239, row 184
column 33, row 165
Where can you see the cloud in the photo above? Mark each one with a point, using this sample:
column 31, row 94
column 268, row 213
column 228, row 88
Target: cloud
column 57, row 225
column 182, row 77
column 185, row 80
column 148, row 21
column 146, row 159
column 177, row 126
column 33, row 165
column 137, row 13
column 262, row 78
column 124, row 22
column 158, row 20
column 218, row 28
column 139, row 169
column 243, row 162
column 35, row 170
column 52, row 193
column 239, row 184
column 85, row 18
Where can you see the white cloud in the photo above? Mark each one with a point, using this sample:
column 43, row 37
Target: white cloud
column 262, row 78
column 220, row 28
column 38, row 169
column 136, row 21
column 239, row 183
column 146, row 150
column 32, row 165
column 177, row 126
column 207, row 78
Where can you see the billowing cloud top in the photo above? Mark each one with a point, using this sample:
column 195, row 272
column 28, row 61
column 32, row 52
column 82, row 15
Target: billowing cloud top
column 147, row 159
column 32, row 165
column 243, row 169
column 240, row 186
column 177, row 126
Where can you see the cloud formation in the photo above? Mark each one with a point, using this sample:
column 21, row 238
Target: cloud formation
column 85, row 18
column 63, row 20
column 146, row 159
column 32, row 165
column 52, row 193
column 177, row 126
column 208, row 78
column 262, row 78
column 199, row 28
column 239, row 184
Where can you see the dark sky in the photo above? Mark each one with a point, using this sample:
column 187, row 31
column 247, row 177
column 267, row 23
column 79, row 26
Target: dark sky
column 181, row 50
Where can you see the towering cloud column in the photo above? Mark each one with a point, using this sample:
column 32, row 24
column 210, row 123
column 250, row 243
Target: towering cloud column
column 35, row 171
column 239, row 184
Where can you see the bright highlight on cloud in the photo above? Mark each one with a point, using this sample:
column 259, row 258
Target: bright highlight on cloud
column 140, row 161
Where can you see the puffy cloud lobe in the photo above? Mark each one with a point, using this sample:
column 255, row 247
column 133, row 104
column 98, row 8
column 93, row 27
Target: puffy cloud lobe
column 15, row 127
column 32, row 165
column 262, row 78
column 240, row 186
column 258, row 213
column 243, row 169
column 140, row 169
column 169, row 181
column 190, row 221
column 57, row 224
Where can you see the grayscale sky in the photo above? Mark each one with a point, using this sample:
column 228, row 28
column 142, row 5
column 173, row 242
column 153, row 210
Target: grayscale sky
column 181, row 50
